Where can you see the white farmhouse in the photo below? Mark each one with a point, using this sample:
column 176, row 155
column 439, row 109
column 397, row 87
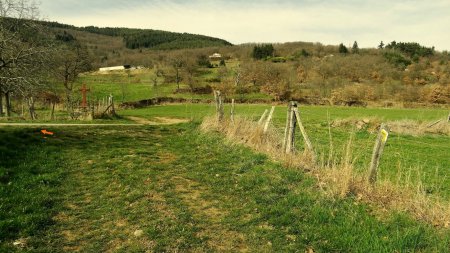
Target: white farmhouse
column 215, row 56
column 115, row 68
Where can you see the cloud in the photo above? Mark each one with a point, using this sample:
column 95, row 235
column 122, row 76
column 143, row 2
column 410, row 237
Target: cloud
column 329, row 22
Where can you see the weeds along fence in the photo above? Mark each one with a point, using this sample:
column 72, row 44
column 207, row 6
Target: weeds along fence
column 337, row 178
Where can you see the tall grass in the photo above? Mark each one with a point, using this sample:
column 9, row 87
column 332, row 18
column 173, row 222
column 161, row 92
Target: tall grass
column 336, row 176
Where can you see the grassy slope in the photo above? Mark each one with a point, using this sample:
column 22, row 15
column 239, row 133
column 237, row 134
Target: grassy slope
column 404, row 154
column 139, row 86
column 185, row 191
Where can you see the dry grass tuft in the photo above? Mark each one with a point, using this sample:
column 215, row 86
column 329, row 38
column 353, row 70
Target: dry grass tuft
column 415, row 128
column 336, row 176
column 409, row 127
column 369, row 123
column 244, row 131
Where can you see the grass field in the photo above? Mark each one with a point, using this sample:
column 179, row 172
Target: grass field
column 174, row 189
column 139, row 86
column 418, row 159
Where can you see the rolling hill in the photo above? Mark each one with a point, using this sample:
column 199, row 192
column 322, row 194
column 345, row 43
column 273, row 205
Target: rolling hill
column 148, row 38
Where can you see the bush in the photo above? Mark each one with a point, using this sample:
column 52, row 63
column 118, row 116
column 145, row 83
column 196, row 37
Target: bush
column 263, row 51
column 436, row 94
column 353, row 95
column 343, row 49
column 203, row 90
column 397, row 59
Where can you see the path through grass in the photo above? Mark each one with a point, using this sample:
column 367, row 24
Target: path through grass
column 171, row 188
column 417, row 159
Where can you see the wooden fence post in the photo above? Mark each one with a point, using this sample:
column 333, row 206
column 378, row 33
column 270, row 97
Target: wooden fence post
column 113, row 110
column 232, row 110
column 286, row 129
column 377, row 152
column 434, row 123
column 269, row 118
column 303, row 131
column 291, row 130
column 219, row 105
column 262, row 117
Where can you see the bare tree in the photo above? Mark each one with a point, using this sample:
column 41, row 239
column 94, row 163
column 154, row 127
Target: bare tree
column 70, row 60
column 155, row 77
column 177, row 62
column 190, row 67
column 24, row 48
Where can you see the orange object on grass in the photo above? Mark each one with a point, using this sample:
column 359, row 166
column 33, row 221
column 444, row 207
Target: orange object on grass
column 45, row 132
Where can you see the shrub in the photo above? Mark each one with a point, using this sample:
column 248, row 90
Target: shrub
column 263, row 51
column 397, row 59
column 436, row 94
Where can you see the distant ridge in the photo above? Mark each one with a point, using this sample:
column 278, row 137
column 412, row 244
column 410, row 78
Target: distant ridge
column 148, row 38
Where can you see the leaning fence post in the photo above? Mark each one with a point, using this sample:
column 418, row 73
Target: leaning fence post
column 286, row 129
column 262, row 117
column 377, row 152
column 269, row 118
column 232, row 110
column 303, row 131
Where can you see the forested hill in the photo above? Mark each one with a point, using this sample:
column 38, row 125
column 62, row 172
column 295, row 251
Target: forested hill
column 148, row 38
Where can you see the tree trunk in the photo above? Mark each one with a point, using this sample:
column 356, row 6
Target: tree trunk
column 52, row 117
column 31, row 109
column 70, row 109
column 1, row 103
column 8, row 104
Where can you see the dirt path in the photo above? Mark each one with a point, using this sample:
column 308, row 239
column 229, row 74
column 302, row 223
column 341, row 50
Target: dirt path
column 160, row 120
column 139, row 122
column 65, row 124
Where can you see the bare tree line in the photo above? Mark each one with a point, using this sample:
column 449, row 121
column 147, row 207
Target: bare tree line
column 31, row 61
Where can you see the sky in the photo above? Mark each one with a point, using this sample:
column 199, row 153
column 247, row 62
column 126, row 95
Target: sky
column 328, row 22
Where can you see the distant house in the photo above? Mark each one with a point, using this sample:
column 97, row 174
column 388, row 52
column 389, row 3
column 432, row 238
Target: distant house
column 215, row 56
column 123, row 67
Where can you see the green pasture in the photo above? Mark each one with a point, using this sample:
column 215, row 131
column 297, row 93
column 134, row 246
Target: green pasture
column 139, row 85
column 416, row 159
column 175, row 189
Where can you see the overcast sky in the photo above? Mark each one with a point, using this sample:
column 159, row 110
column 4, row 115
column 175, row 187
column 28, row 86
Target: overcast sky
column 328, row 22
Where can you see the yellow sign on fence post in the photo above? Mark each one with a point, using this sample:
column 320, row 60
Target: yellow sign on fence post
column 377, row 152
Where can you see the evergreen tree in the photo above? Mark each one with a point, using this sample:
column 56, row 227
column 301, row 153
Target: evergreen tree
column 343, row 49
column 263, row 51
column 355, row 48
column 381, row 46
column 203, row 61
column 305, row 53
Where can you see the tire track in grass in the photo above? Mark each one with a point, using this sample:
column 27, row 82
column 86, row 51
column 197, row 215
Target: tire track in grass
column 219, row 237
column 102, row 193
column 113, row 201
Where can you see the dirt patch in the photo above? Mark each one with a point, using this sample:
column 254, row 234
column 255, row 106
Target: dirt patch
column 159, row 120
column 166, row 157
column 62, row 217
column 191, row 191
column 161, row 205
column 170, row 121
column 220, row 238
